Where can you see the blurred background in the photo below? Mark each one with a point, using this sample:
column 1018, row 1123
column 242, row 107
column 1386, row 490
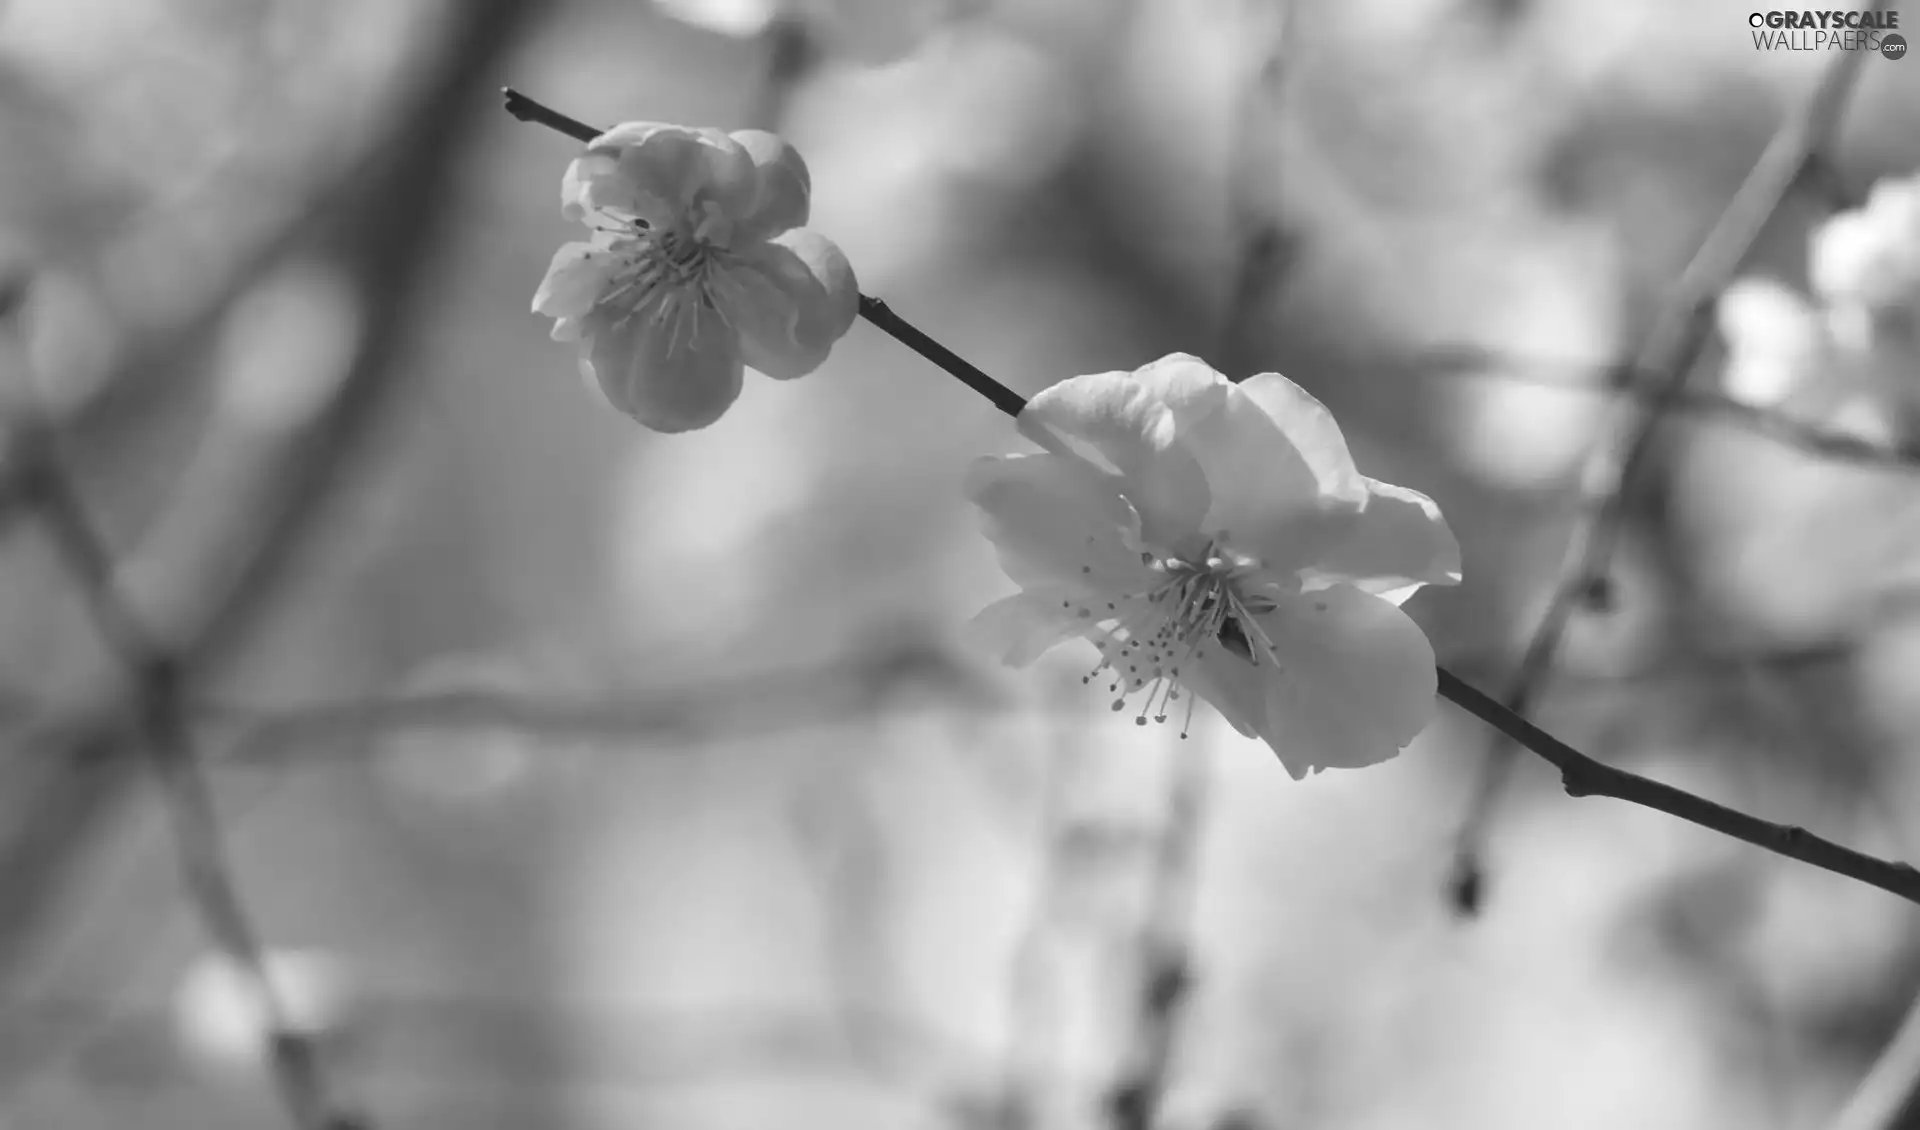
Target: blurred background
column 576, row 776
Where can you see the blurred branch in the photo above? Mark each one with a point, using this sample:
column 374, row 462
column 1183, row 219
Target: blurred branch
column 1888, row 1098
column 1165, row 951
column 1670, row 351
column 457, row 1037
column 829, row 692
column 135, row 377
column 776, row 701
column 791, row 55
column 1033, row 1029
column 274, row 737
column 1625, row 380
column 1888, row 1095
column 386, row 228
column 1810, row 438
column 200, row 851
column 1262, row 251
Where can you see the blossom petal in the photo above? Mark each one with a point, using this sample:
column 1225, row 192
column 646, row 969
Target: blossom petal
column 1354, row 682
column 790, row 300
column 828, row 313
column 578, row 185
column 1056, row 524
column 575, row 280
column 661, row 174
column 1396, row 543
column 783, row 196
column 1309, row 427
column 672, row 365
column 1270, row 452
column 1118, row 426
column 1192, row 390
column 1279, row 467
column 1018, row 629
column 1234, row 687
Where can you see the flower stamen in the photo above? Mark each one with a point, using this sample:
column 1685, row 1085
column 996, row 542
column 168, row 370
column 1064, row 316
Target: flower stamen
column 1169, row 624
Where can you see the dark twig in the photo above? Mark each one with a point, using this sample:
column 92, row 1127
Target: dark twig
column 999, row 395
column 1583, row 775
column 527, row 110
column 1613, row 465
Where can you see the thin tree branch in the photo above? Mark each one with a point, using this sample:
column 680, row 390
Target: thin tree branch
column 1671, row 349
column 1582, row 775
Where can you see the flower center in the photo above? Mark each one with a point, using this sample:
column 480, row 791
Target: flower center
column 664, row 271
column 1196, row 603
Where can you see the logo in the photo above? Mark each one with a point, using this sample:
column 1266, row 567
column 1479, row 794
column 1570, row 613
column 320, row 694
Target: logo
column 1832, row 30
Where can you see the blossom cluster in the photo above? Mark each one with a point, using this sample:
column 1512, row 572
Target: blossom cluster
column 1211, row 539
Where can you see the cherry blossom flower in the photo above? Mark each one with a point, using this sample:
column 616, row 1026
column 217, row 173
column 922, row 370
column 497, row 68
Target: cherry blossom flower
column 699, row 267
column 1215, row 539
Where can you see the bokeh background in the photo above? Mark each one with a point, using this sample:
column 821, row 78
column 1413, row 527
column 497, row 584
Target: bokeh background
column 577, row 776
